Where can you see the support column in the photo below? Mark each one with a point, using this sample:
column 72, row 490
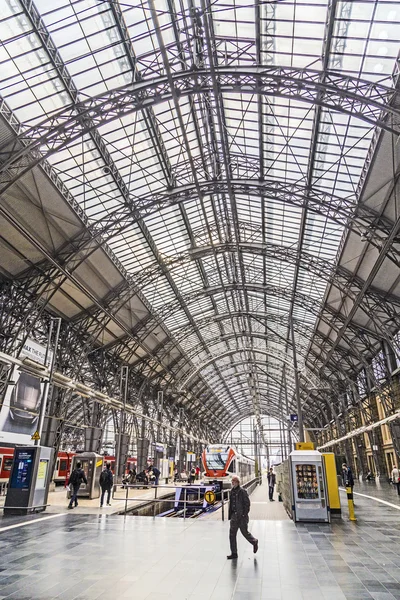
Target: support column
column 93, row 437
column 297, row 384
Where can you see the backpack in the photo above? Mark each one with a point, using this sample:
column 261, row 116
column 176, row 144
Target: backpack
column 75, row 477
column 106, row 477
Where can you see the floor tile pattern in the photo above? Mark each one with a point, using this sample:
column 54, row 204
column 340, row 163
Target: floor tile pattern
column 91, row 557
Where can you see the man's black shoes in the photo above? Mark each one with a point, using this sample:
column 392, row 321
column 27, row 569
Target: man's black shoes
column 255, row 546
column 232, row 556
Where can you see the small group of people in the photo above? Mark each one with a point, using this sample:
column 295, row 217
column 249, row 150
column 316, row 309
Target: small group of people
column 78, row 477
column 150, row 475
column 190, row 477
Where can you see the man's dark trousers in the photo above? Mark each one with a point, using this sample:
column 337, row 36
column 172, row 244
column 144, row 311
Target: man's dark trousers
column 242, row 524
column 103, row 492
column 74, row 495
column 271, row 492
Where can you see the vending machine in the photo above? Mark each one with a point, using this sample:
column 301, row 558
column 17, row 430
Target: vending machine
column 309, row 489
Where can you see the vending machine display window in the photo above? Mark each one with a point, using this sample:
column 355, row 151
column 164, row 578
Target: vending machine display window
column 306, row 482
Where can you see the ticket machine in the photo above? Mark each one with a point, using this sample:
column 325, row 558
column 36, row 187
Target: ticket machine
column 309, row 489
column 92, row 465
column 30, row 478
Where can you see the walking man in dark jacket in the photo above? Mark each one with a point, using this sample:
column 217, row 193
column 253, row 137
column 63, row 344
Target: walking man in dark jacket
column 239, row 507
column 106, row 484
column 271, row 484
column 75, row 479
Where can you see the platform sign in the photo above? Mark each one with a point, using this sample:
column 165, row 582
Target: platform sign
column 294, row 418
column 210, row 497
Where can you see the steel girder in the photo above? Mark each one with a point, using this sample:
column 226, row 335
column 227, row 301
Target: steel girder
column 265, row 320
column 329, row 380
column 318, row 400
column 280, row 355
column 344, row 280
column 375, row 269
column 332, row 317
column 368, row 101
column 100, row 144
column 75, row 251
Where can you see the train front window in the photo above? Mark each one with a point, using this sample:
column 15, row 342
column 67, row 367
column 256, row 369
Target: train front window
column 8, row 464
column 216, row 460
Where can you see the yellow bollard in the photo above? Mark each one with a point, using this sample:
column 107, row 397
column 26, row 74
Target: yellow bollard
column 352, row 516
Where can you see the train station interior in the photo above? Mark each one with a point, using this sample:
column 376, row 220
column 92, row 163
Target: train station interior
column 199, row 283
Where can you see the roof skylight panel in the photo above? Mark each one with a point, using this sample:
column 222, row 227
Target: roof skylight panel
column 168, row 231
column 132, row 245
column 187, row 281
column 28, row 81
column 158, row 292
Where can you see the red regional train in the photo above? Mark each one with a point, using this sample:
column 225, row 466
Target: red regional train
column 62, row 466
column 221, row 462
column 6, row 460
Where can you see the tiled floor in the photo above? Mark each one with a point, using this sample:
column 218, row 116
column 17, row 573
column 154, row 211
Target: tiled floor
column 91, row 557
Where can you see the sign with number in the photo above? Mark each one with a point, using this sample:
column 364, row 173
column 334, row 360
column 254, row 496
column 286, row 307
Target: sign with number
column 210, row 497
column 294, row 418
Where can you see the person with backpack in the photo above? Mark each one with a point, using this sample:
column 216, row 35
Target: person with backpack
column 76, row 478
column 192, row 475
column 106, row 484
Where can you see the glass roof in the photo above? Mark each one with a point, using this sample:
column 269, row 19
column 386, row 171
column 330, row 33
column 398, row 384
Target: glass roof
column 241, row 296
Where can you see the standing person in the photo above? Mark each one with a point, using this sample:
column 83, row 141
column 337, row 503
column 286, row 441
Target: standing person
column 271, row 484
column 396, row 479
column 106, row 484
column 197, row 472
column 239, row 507
column 348, row 479
column 156, row 473
column 192, row 475
column 75, row 479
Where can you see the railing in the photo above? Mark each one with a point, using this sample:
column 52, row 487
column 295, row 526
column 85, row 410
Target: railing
column 143, row 501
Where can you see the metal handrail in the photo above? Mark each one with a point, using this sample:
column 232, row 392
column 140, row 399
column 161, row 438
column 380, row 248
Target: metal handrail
column 154, row 500
column 249, row 486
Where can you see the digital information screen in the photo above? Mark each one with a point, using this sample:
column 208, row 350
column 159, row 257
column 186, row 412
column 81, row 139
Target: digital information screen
column 23, row 467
